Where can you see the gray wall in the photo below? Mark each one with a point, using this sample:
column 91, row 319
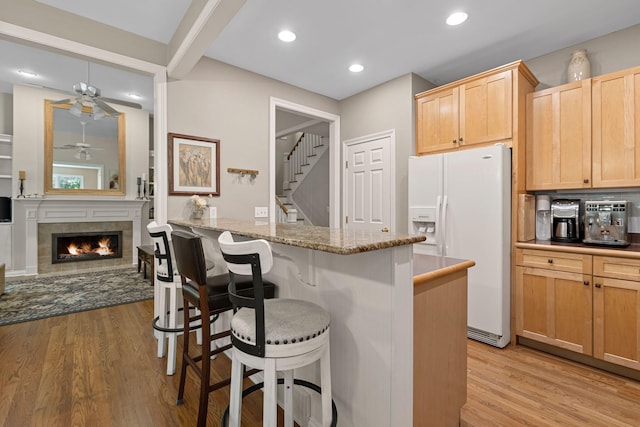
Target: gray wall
column 227, row 103
column 6, row 113
column 312, row 196
column 612, row 52
column 388, row 106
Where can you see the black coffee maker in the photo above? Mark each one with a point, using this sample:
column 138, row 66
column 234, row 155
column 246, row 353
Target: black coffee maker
column 565, row 215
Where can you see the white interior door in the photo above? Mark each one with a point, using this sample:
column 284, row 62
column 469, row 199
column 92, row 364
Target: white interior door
column 369, row 198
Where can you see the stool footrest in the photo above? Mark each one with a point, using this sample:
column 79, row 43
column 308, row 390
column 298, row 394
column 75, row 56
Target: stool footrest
column 304, row 383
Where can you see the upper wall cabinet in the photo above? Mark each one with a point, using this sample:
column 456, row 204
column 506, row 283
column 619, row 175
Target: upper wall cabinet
column 616, row 129
column 559, row 137
column 475, row 110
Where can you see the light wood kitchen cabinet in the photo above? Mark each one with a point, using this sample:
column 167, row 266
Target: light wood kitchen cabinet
column 559, row 137
column 477, row 110
column 616, row 311
column 486, row 109
column 616, row 129
column 554, row 299
column 437, row 121
column 589, row 304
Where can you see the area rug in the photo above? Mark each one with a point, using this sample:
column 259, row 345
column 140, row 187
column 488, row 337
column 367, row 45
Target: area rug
column 31, row 299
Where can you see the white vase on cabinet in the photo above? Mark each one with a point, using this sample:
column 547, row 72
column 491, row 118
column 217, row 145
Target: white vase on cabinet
column 579, row 66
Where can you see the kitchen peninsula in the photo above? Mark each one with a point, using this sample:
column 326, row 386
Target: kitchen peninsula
column 365, row 280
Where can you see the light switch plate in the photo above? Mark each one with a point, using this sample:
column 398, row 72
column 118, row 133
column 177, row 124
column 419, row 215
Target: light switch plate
column 261, row 212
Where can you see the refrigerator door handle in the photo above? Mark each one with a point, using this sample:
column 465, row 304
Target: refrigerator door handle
column 443, row 232
column 438, row 228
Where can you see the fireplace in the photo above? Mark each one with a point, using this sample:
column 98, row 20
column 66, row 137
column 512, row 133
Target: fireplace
column 85, row 246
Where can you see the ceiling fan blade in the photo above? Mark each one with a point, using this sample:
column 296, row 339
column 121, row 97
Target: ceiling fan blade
column 62, row 101
column 106, row 107
column 122, row 102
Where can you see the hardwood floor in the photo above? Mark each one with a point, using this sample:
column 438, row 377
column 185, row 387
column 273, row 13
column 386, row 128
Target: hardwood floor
column 98, row 368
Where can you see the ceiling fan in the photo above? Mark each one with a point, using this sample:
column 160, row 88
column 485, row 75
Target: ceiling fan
column 89, row 95
column 82, row 148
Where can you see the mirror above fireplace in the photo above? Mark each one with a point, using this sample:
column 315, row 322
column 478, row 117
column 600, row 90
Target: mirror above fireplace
column 83, row 156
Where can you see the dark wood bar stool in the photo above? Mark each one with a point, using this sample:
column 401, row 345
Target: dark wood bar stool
column 210, row 296
column 272, row 335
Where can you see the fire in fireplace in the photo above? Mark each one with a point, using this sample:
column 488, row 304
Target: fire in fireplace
column 88, row 246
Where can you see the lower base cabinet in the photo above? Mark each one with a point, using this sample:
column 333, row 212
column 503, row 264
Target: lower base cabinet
column 591, row 309
column 555, row 308
column 616, row 311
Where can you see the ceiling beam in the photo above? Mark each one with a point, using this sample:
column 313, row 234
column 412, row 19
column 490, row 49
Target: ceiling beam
column 209, row 21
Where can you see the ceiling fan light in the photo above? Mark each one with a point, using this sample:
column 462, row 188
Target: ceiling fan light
column 98, row 113
column 76, row 110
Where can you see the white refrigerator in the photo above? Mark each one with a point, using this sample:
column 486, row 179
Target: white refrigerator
column 461, row 201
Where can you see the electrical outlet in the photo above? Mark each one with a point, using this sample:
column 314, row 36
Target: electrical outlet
column 261, row 212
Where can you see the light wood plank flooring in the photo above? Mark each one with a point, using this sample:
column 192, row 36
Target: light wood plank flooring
column 98, row 368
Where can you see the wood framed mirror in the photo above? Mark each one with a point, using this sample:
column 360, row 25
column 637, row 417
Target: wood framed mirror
column 83, row 156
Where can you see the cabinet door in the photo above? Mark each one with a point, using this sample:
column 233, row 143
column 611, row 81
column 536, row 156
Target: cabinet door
column 437, row 121
column 616, row 129
column 616, row 328
column 486, row 112
column 554, row 307
column 559, row 137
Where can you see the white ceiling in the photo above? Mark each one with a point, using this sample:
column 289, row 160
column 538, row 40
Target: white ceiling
column 389, row 37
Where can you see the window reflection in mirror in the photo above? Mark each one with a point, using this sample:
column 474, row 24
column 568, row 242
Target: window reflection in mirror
column 83, row 155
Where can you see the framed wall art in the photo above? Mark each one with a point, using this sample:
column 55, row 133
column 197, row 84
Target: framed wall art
column 194, row 165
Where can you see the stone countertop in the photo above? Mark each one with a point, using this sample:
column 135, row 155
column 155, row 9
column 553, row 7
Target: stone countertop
column 333, row 240
column 431, row 267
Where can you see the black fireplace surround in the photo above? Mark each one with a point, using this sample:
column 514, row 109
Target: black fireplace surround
column 85, row 246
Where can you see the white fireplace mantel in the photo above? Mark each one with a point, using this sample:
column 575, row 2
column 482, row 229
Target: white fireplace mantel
column 64, row 210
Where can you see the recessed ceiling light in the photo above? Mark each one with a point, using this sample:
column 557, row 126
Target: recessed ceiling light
column 356, row 68
column 29, row 74
column 286, row 36
column 457, row 18
column 134, row 96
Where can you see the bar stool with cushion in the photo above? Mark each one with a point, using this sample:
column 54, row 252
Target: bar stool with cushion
column 167, row 280
column 272, row 335
column 210, row 295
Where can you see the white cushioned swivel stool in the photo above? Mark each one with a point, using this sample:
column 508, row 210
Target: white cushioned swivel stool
column 272, row 335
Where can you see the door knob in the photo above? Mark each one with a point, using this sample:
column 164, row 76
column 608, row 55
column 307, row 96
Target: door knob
column 385, row 230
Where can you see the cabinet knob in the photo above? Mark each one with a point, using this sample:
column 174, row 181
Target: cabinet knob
column 586, row 181
column 586, row 283
column 454, row 141
column 461, row 139
column 550, row 260
column 598, row 285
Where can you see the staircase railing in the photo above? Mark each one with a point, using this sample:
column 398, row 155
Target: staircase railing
column 284, row 214
column 298, row 157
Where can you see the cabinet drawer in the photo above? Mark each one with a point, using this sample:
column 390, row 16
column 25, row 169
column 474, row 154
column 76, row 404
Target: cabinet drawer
column 617, row 268
column 557, row 261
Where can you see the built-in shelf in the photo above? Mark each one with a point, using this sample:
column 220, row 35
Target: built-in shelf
column 6, row 160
